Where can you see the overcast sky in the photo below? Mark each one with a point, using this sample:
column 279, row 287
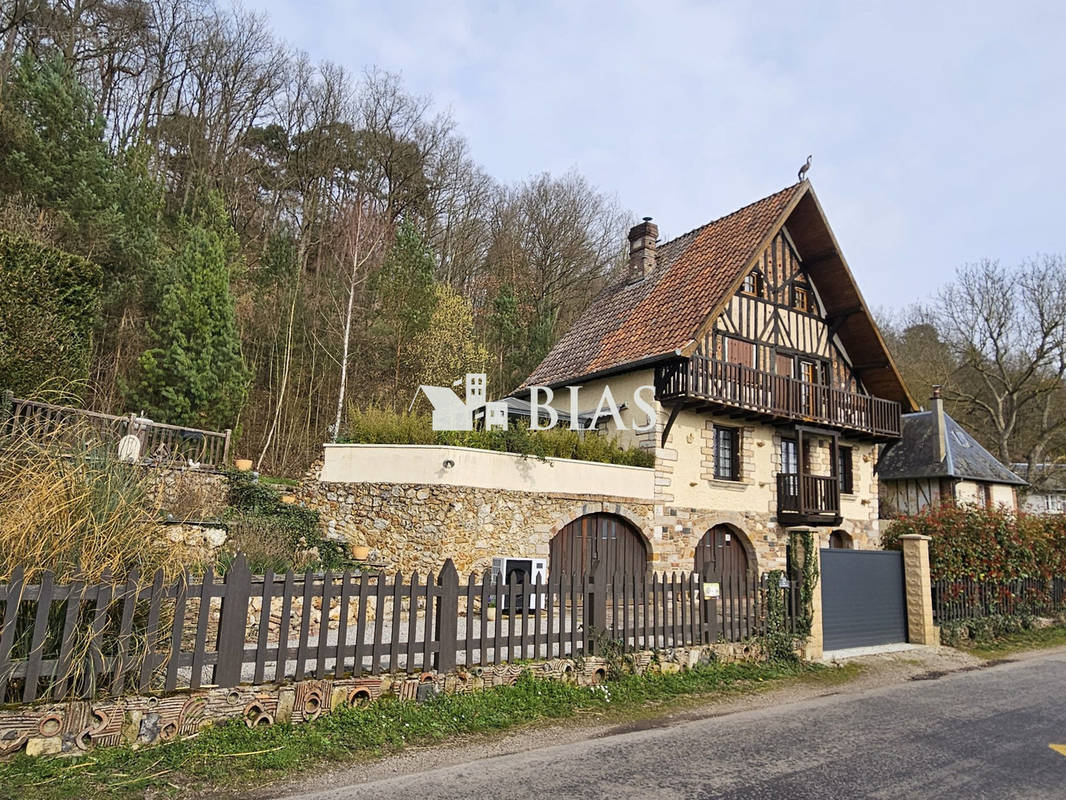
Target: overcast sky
column 937, row 129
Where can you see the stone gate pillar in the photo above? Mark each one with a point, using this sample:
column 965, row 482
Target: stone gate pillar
column 919, row 590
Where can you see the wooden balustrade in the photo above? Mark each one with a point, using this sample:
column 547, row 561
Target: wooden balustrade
column 760, row 392
column 809, row 499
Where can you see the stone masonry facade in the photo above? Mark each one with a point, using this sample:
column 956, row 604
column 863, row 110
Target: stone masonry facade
column 416, row 527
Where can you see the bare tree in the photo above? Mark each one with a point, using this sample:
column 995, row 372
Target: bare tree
column 1007, row 330
column 362, row 231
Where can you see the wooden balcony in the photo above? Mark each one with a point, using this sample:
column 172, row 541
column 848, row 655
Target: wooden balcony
column 808, row 499
column 759, row 394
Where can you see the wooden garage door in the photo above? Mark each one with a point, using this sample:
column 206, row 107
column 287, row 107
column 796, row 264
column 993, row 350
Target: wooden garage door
column 597, row 538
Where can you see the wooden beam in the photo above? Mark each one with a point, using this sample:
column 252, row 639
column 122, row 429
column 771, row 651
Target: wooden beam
column 837, row 319
column 870, row 366
column 820, row 258
column 670, row 422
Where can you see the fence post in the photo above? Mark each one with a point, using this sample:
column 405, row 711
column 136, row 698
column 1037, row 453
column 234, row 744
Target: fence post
column 446, row 622
column 595, row 605
column 919, row 590
column 225, row 449
column 813, row 647
column 233, row 621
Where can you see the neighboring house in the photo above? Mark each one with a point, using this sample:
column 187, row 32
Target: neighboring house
column 773, row 390
column 1046, row 493
column 937, row 461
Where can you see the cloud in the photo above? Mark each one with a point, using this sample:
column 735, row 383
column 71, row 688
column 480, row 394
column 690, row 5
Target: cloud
column 936, row 129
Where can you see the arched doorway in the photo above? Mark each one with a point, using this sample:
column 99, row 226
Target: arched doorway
column 723, row 554
column 841, row 540
column 603, row 540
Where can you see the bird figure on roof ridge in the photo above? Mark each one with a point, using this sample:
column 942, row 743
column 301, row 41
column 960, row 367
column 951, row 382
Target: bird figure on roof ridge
column 802, row 174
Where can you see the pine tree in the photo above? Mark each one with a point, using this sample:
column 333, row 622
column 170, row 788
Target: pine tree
column 194, row 373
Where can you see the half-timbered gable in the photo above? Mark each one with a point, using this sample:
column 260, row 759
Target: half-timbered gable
column 773, row 387
column 776, row 322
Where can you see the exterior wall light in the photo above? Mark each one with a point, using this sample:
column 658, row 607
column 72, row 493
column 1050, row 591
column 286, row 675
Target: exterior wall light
column 448, row 463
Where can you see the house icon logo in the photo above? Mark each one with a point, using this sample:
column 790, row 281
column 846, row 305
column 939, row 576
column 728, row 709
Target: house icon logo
column 453, row 414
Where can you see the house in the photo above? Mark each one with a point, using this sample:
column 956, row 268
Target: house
column 773, row 389
column 936, row 461
column 1046, row 493
column 745, row 355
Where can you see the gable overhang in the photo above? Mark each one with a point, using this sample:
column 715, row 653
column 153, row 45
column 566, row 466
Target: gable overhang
column 845, row 307
column 524, row 391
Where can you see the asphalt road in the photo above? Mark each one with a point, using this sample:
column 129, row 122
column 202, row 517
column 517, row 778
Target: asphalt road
column 983, row 733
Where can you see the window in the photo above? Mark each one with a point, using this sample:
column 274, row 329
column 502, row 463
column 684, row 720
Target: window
column 789, row 457
column 801, row 299
column 754, row 284
column 726, row 453
column 844, row 470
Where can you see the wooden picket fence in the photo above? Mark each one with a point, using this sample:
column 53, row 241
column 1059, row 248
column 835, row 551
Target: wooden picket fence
column 78, row 640
column 161, row 444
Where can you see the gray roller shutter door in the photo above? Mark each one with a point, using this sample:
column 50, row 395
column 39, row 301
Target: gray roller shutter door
column 863, row 601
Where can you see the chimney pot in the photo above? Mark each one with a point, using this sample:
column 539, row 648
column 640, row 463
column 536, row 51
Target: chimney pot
column 642, row 240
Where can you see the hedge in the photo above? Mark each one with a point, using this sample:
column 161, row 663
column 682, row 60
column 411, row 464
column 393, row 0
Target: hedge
column 971, row 541
column 382, row 426
column 49, row 300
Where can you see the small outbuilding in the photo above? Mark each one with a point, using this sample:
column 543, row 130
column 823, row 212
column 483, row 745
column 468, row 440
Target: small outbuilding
column 937, row 461
column 1046, row 493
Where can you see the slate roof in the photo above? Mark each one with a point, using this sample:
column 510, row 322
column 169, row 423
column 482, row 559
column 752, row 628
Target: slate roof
column 633, row 322
column 1043, row 477
column 914, row 455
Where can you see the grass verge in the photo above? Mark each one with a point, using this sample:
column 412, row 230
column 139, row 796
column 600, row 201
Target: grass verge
column 234, row 757
column 1033, row 639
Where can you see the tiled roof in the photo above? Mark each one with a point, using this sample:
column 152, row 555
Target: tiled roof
column 630, row 323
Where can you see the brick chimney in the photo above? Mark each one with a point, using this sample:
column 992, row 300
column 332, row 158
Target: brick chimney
column 940, row 428
column 642, row 249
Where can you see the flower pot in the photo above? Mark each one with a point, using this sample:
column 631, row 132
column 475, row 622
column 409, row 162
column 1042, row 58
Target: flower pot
column 243, row 464
column 288, row 499
column 360, row 552
column 490, row 613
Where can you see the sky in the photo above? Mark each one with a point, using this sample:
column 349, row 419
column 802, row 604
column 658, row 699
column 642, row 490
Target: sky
column 937, row 129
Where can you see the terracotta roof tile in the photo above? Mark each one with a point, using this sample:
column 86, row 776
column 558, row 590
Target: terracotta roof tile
column 629, row 323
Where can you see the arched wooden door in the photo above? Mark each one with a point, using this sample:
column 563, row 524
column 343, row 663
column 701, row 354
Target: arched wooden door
column 721, row 555
column 840, row 540
column 596, row 538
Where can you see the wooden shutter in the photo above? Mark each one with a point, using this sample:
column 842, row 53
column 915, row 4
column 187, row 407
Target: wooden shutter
column 740, row 352
column 783, row 365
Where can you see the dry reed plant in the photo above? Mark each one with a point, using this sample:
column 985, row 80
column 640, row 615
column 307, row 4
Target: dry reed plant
column 67, row 505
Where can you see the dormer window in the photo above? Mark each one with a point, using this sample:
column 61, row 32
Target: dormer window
column 754, row 284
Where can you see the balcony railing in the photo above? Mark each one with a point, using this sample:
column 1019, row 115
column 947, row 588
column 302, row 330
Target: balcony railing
column 808, row 499
column 761, row 392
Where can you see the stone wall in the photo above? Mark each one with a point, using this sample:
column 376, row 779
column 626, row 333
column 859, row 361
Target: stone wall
column 416, row 527
column 195, row 494
column 74, row 728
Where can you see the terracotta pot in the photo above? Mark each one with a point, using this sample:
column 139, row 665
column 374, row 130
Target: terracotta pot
column 243, row 464
column 360, row 552
column 288, row 499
